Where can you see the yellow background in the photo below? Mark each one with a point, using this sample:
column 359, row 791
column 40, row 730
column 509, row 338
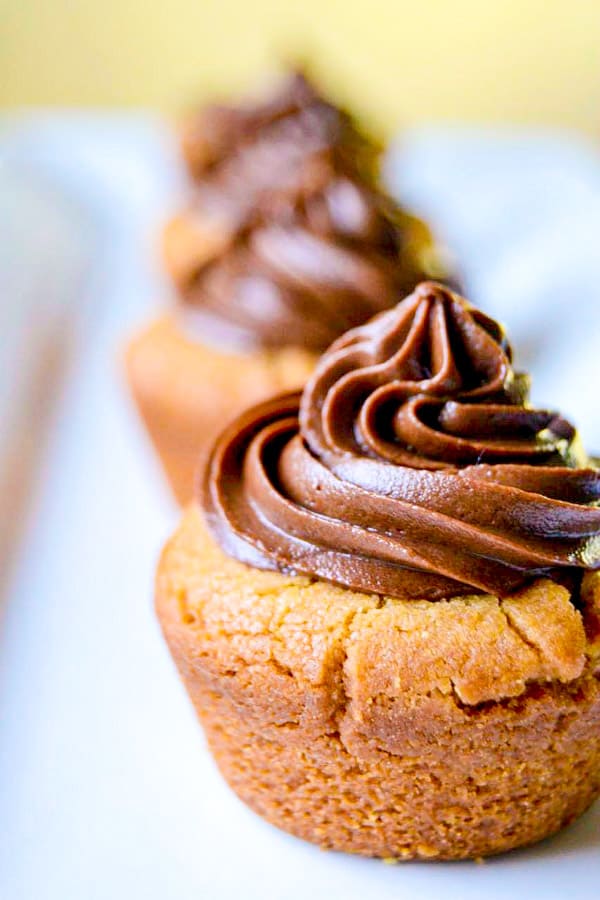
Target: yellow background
column 532, row 61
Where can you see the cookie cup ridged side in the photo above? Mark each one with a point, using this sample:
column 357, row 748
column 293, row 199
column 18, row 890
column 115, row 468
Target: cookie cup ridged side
column 187, row 391
column 445, row 730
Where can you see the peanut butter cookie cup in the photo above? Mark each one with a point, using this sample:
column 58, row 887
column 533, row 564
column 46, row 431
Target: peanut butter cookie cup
column 385, row 603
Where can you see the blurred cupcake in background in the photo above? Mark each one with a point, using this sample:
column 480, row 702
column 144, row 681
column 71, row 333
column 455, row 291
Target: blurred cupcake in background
column 287, row 242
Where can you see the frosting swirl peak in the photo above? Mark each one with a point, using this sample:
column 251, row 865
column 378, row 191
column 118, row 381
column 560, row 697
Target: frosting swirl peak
column 290, row 239
column 411, row 466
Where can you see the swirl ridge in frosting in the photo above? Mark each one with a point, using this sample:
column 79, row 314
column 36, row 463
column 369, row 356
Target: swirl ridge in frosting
column 412, row 466
column 289, row 238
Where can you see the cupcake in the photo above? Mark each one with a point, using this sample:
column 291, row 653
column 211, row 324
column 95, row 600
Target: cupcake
column 383, row 602
column 287, row 243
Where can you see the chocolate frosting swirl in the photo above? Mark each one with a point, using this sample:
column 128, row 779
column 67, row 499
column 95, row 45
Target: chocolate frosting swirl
column 295, row 117
column 297, row 243
column 412, row 466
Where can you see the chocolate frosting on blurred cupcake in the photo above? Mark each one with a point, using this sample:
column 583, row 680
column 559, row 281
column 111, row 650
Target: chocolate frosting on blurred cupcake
column 289, row 238
column 412, row 465
column 295, row 120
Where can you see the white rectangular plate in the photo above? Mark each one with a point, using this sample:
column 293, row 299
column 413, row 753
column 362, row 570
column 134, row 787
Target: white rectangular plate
column 106, row 788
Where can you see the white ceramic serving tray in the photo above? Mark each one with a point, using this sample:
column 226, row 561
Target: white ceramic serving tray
column 106, row 787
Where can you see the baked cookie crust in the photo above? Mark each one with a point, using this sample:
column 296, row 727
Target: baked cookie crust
column 405, row 729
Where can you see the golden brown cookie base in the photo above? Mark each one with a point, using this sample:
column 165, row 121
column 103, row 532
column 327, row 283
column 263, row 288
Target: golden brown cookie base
column 395, row 729
column 509, row 790
column 186, row 392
